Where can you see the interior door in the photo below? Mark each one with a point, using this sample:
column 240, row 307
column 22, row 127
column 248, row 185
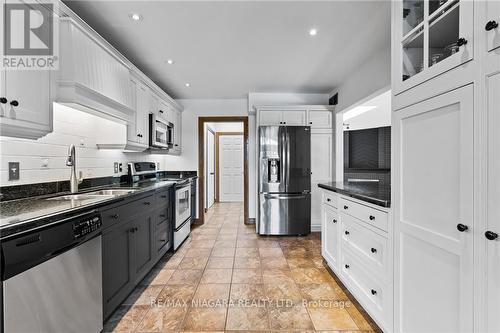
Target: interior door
column 433, row 184
column 231, row 168
column 210, row 186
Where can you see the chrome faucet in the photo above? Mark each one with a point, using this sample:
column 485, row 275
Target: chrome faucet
column 71, row 162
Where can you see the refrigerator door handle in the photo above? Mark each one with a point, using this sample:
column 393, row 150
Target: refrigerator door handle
column 284, row 196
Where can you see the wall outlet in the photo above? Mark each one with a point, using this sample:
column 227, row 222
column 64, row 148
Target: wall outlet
column 44, row 163
column 120, row 167
column 116, row 167
column 14, row 171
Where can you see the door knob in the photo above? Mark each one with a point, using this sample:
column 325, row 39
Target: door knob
column 462, row 227
column 461, row 41
column 14, row 103
column 3, row 100
column 491, row 25
column 490, row 235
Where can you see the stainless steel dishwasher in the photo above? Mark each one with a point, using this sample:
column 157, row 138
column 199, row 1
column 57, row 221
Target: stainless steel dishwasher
column 52, row 277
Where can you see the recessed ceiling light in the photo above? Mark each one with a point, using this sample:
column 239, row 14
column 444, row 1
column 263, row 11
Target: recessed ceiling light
column 135, row 17
column 313, row 32
column 188, row 85
column 170, row 61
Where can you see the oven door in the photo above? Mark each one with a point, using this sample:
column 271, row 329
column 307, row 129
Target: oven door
column 182, row 204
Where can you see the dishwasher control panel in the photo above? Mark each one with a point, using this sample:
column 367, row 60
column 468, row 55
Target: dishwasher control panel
column 86, row 226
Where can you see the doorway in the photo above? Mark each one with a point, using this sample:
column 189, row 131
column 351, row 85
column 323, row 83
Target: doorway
column 223, row 163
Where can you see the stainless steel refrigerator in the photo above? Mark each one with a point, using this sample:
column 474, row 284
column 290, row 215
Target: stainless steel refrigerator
column 284, row 180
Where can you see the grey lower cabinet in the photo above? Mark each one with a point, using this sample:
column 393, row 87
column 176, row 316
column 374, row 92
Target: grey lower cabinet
column 137, row 233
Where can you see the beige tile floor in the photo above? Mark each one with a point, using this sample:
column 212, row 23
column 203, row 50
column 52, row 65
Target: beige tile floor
column 227, row 278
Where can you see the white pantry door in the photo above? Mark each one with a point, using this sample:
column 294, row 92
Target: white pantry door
column 433, row 217
column 210, row 191
column 231, row 168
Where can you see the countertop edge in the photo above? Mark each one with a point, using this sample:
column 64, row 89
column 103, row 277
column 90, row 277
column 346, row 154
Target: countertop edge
column 368, row 199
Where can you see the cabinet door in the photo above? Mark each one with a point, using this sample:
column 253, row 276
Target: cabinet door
column 294, row 118
column 178, row 131
column 330, row 237
column 492, row 285
column 133, row 131
column 492, row 15
column 31, row 90
column 431, row 37
column 433, row 188
column 320, row 119
column 321, row 170
column 117, row 266
column 144, row 244
column 142, row 116
column 270, row 118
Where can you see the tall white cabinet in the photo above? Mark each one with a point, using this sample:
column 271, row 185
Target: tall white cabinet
column 321, row 120
column 446, row 165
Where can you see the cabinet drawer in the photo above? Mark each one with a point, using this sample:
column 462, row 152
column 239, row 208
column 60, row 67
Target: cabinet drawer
column 162, row 237
column 125, row 211
column 365, row 243
column 372, row 294
column 375, row 217
column 330, row 199
column 162, row 197
column 161, row 215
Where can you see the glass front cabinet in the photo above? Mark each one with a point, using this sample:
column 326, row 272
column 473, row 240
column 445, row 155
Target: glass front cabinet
column 433, row 36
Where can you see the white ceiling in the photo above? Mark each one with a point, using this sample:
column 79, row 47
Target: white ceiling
column 226, row 49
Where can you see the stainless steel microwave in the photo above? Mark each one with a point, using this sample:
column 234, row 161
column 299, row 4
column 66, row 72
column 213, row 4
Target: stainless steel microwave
column 161, row 133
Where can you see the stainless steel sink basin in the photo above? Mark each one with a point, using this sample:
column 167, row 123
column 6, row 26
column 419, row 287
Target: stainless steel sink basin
column 80, row 197
column 113, row 192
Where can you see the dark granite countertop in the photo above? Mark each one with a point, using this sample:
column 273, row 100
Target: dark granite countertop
column 24, row 214
column 371, row 192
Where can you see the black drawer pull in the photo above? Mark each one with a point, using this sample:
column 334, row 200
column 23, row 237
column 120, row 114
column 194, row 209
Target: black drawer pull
column 374, row 292
column 462, row 227
column 347, row 266
column 115, row 216
column 3, row 100
column 345, row 207
column 372, row 217
column 14, row 103
column 334, row 221
column 490, row 235
column 374, row 250
column 164, row 196
column 346, row 232
column 162, row 215
column 147, row 203
column 132, row 230
column 328, row 199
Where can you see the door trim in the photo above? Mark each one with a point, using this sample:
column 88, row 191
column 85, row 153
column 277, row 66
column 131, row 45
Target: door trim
column 201, row 159
column 217, row 167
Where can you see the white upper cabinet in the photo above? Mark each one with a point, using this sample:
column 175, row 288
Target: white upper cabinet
column 492, row 25
column 320, row 119
column 270, row 118
column 26, row 100
column 429, row 38
column 294, row 118
column 91, row 75
column 177, row 121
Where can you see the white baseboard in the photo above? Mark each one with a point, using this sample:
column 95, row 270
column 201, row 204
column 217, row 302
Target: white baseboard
column 315, row 227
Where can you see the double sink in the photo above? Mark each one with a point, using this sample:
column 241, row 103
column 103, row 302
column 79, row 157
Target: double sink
column 103, row 194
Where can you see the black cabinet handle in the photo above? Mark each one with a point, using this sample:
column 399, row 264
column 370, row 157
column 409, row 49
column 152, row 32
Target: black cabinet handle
column 176, row 145
column 161, row 111
column 164, row 196
column 374, row 250
column 461, row 41
column 310, row 123
column 162, row 215
column 462, row 227
column 3, row 100
column 372, row 217
column 328, row 199
column 132, row 230
column 334, row 221
column 490, row 235
column 346, row 266
column 345, row 207
column 14, row 103
column 346, row 232
column 374, row 292
column 147, row 203
column 114, row 216
column 491, row 25
column 135, row 229
column 284, row 122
